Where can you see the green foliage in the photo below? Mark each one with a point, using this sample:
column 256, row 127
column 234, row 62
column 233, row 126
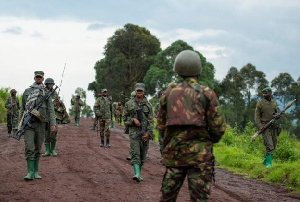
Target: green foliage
column 237, row 153
column 86, row 109
column 129, row 54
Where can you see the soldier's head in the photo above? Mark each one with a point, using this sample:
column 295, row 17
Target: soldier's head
column 139, row 90
column 77, row 96
column 132, row 95
column 38, row 77
column 188, row 64
column 13, row 92
column 49, row 82
column 267, row 92
column 104, row 92
column 119, row 103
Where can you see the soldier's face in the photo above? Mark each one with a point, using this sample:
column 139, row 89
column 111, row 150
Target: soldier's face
column 49, row 85
column 139, row 93
column 38, row 79
column 266, row 95
column 104, row 94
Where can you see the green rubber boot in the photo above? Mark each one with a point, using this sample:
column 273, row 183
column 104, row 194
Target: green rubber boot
column 137, row 173
column 36, row 168
column 30, row 169
column 53, row 148
column 265, row 160
column 77, row 122
column 269, row 158
column 47, row 147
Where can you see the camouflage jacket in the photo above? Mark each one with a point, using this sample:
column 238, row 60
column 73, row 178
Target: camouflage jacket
column 77, row 104
column 264, row 111
column 47, row 109
column 190, row 120
column 12, row 105
column 102, row 108
column 129, row 113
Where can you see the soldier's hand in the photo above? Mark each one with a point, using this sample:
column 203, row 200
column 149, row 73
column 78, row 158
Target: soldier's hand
column 276, row 115
column 145, row 137
column 136, row 122
column 53, row 129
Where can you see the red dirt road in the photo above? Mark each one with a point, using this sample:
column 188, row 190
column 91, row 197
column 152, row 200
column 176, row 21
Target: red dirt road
column 85, row 172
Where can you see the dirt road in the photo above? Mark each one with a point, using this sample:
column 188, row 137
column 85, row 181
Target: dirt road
column 85, row 172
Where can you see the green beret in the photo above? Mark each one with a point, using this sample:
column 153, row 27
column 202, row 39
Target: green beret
column 39, row 73
column 140, row 86
column 267, row 89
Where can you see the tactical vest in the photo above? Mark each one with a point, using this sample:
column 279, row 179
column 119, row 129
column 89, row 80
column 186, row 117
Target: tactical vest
column 186, row 105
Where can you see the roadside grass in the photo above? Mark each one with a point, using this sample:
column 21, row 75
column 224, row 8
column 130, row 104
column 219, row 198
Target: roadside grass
column 236, row 152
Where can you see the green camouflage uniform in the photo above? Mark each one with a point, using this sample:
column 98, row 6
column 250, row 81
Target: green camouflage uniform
column 77, row 104
column 263, row 114
column 103, row 114
column 13, row 107
column 35, row 135
column 50, row 137
column 138, row 150
column 190, row 121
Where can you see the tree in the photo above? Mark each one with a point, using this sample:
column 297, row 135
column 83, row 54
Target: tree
column 128, row 56
column 283, row 85
column 161, row 71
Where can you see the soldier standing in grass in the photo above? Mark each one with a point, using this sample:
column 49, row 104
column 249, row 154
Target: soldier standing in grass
column 266, row 109
column 190, row 121
column 35, row 135
column 138, row 144
column 12, row 105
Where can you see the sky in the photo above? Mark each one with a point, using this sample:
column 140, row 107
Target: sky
column 50, row 34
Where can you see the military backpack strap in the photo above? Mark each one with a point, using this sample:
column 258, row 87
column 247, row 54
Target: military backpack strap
column 197, row 89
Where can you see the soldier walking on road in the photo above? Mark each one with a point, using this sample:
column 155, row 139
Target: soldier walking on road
column 77, row 104
column 190, row 121
column 13, row 107
column 266, row 109
column 138, row 117
column 50, row 137
column 35, row 135
column 96, row 118
column 103, row 113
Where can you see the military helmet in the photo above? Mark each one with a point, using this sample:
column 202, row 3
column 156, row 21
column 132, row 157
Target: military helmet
column 13, row 91
column 49, row 80
column 187, row 63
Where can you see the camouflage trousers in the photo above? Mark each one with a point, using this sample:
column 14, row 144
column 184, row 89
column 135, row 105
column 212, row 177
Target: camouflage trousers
column 199, row 182
column 34, row 138
column 50, row 136
column 138, row 151
column 270, row 140
column 77, row 115
column 104, row 128
column 12, row 122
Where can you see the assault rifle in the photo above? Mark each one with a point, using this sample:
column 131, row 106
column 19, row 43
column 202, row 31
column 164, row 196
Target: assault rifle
column 276, row 116
column 27, row 116
column 139, row 113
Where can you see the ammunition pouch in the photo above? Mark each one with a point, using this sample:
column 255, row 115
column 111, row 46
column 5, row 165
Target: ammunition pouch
column 38, row 115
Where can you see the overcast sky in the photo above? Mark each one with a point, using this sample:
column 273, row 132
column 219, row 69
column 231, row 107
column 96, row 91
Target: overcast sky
column 46, row 35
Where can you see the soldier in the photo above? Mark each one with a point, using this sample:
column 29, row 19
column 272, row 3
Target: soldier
column 103, row 113
column 77, row 104
column 138, row 117
column 265, row 110
column 50, row 137
column 62, row 116
column 96, row 118
column 190, row 121
column 35, row 135
column 119, row 113
column 132, row 96
column 160, row 138
column 13, row 107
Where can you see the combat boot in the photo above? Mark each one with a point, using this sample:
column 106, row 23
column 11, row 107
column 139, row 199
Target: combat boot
column 30, row 169
column 36, row 169
column 137, row 173
column 53, row 148
column 269, row 158
column 107, row 143
column 47, row 147
column 102, row 143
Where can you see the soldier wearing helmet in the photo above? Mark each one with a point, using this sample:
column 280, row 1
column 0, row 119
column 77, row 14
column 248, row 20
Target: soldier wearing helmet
column 12, row 105
column 190, row 121
column 50, row 137
column 76, row 103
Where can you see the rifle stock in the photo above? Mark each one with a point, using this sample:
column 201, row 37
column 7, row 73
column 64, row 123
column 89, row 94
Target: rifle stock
column 271, row 122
